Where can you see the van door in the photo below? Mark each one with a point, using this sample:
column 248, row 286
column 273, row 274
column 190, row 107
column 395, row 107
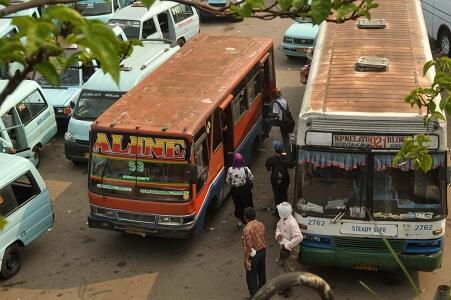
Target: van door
column 150, row 30
column 166, row 25
column 27, row 209
column 186, row 22
column 13, row 133
column 36, row 118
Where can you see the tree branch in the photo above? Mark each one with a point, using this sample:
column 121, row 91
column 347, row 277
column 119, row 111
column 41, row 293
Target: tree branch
column 31, row 4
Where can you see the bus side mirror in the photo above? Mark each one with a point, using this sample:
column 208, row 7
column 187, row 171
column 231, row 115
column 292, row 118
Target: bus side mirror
column 191, row 174
column 448, row 175
column 72, row 104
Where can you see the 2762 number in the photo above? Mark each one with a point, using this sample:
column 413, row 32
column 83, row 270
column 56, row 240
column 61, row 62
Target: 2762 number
column 423, row 227
column 316, row 223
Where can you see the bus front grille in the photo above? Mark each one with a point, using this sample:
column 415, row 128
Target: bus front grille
column 367, row 244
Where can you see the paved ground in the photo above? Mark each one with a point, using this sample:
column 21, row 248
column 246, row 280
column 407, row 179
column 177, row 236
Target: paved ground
column 75, row 262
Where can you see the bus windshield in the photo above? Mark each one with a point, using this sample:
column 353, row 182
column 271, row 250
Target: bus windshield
column 147, row 168
column 94, row 8
column 335, row 183
column 131, row 28
column 92, row 104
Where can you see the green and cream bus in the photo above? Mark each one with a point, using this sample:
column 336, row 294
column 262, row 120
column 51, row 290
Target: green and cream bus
column 353, row 120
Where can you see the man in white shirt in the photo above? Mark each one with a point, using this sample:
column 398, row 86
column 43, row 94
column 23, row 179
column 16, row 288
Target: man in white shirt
column 289, row 236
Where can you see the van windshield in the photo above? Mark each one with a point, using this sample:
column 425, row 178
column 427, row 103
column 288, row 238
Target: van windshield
column 92, row 104
column 94, row 8
column 70, row 77
column 130, row 28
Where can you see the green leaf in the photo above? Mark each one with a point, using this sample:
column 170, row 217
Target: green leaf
column 3, row 222
column 345, row 10
column 427, row 66
column 147, row 3
column 426, row 163
column 443, row 102
column 284, row 4
column 438, row 115
column 48, row 71
column 5, row 2
column 64, row 14
column 320, row 10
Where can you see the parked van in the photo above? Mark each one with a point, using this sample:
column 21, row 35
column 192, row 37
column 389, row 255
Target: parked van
column 100, row 92
column 25, row 204
column 27, row 121
column 437, row 16
column 99, row 9
column 164, row 19
column 71, row 81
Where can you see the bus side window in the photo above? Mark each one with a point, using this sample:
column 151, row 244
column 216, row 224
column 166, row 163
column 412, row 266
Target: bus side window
column 254, row 84
column 201, row 159
column 239, row 104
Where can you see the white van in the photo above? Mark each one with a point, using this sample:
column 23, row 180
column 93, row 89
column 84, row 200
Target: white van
column 437, row 16
column 27, row 208
column 99, row 9
column 100, row 92
column 164, row 19
column 27, row 121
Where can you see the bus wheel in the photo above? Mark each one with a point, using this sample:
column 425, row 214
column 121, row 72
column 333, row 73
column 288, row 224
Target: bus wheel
column 12, row 261
column 37, row 156
column 444, row 42
column 181, row 42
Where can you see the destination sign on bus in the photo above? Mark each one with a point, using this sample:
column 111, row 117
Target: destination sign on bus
column 142, row 146
column 368, row 141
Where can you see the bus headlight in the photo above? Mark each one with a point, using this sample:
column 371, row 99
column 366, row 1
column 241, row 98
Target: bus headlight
column 168, row 220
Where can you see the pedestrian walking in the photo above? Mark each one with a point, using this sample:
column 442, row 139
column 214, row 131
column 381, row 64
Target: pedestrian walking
column 278, row 164
column 240, row 178
column 289, row 236
column 282, row 117
column 254, row 244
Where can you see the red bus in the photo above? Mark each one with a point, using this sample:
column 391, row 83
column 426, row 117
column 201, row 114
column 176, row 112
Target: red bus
column 159, row 155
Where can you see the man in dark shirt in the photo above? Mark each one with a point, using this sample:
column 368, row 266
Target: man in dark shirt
column 254, row 244
column 278, row 164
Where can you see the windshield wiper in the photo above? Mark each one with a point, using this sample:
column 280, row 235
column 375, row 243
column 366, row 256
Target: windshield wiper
column 338, row 217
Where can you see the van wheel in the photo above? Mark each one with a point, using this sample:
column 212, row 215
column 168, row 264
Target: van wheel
column 444, row 42
column 37, row 156
column 181, row 42
column 12, row 261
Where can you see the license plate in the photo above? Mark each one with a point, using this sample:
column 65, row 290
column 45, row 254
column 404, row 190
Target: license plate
column 301, row 50
column 365, row 267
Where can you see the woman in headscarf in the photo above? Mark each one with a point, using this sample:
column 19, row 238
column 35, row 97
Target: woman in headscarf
column 237, row 176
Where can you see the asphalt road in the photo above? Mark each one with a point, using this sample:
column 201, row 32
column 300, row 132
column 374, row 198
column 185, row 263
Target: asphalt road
column 73, row 261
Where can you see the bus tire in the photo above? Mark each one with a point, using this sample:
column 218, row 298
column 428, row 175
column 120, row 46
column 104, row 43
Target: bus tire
column 181, row 42
column 444, row 42
column 36, row 155
column 12, row 261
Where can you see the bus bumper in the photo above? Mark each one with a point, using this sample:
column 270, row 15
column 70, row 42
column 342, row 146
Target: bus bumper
column 136, row 228
column 368, row 261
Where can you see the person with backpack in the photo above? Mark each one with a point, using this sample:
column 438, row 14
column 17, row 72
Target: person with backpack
column 281, row 116
column 279, row 164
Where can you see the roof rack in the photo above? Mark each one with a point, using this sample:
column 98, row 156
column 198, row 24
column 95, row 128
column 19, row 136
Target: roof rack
column 371, row 64
column 371, row 24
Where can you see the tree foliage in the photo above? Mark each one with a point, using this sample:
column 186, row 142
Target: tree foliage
column 426, row 99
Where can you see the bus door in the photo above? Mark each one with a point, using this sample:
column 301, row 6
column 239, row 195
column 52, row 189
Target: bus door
column 268, row 82
column 227, row 130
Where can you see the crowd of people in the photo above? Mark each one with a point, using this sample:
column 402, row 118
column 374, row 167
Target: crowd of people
column 287, row 232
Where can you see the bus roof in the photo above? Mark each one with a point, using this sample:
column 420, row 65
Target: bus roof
column 335, row 87
column 179, row 96
column 141, row 62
